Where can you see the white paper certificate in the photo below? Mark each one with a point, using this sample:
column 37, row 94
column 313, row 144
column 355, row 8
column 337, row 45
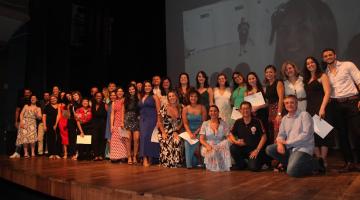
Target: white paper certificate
column 235, row 114
column 83, row 140
column 186, row 137
column 256, row 99
column 321, row 127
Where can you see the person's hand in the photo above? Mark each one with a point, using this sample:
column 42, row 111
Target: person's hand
column 45, row 128
column 176, row 136
column 322, row 113
column 208, row 148
column 278, row 119
column 192, row 136
column 82, row 134
column 280, row 148
column 254, row 154
column 17, row 125
column 54, row 127
column 240, row 142
column 22, row 125
column 164, row 135
column 359, row 105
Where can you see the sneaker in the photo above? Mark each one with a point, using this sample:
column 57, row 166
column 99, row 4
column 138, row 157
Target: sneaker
column 15, row 155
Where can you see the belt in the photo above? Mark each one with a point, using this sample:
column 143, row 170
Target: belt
column 301, row 99
column 341, row 100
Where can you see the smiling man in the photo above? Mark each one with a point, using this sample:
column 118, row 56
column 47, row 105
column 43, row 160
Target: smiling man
column 344, row 77
column 295, row 142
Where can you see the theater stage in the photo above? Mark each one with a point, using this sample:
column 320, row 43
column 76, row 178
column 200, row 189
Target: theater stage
column 68, row 179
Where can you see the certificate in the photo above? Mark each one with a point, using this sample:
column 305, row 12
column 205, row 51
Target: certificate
column 236, row 114
column 83, row 140
column 256, row 99
column 155, row 135
column 321, row 127
column 186, row 137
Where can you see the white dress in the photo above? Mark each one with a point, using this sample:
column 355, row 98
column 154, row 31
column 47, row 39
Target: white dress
column 224, row 105
column 298, row 90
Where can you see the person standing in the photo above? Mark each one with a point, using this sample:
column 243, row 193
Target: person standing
column 317, row 87
column 344, row 77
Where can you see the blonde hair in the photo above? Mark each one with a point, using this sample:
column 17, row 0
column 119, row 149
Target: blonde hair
column 283, row 69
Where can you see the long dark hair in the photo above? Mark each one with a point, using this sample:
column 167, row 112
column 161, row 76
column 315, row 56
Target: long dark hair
column 258, row 83
column 307, row 73
column 235, row 85
column 206, row 82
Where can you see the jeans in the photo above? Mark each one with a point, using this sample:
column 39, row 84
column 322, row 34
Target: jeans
column 298, row 163
column 190, row 158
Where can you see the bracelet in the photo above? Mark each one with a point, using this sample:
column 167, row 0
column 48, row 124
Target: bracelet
column 279, row 113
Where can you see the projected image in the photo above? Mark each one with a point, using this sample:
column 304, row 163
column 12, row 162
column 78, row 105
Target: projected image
column 248, row 35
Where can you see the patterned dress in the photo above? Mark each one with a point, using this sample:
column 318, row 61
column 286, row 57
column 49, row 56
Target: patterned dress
column 171, row 150
column 132, row 114
column 27, row 134
column 118, row 147
column 219, row 158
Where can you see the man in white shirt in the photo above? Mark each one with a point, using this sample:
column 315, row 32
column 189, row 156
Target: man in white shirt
column 344, row 78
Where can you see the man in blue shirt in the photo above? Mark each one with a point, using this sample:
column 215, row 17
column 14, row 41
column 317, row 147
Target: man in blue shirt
column 295, row 142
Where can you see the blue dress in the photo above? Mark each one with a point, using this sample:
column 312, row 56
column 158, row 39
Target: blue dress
column 148, row 118
column 195, row 122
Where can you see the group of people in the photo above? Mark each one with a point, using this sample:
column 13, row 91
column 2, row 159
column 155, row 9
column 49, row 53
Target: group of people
column 154, row 122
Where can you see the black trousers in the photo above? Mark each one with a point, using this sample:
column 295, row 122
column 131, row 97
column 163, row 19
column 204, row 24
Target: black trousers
column 346, row 119
column 98, row 137
column 241, row 153
column 53, row 140
column 73, row 131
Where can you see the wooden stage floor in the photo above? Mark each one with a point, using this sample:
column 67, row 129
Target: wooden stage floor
column 104, row 180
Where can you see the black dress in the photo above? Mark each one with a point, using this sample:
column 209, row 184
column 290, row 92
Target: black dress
column 72, row 128
column 315, row 93
column 99, row 124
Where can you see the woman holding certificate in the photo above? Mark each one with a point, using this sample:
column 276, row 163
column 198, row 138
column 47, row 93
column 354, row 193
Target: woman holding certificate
column 317, row 87
column 255, row 95
column 215, row 145
column 149, row 106
column 193, row 115
column 84, row 124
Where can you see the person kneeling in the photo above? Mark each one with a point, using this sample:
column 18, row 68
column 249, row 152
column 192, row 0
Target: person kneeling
column 248, row 138
column 295, row 142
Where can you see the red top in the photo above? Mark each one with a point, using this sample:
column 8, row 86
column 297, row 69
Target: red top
column 83, row 115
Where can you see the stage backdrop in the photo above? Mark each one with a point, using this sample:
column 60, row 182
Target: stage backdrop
column 247, row 35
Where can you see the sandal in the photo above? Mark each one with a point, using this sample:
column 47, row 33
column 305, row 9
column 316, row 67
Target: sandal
column 279, row 168
column 135, row 160
column 26, row 156
column 130, row 162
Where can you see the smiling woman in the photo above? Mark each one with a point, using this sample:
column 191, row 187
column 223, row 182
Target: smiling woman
column 302, row 27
